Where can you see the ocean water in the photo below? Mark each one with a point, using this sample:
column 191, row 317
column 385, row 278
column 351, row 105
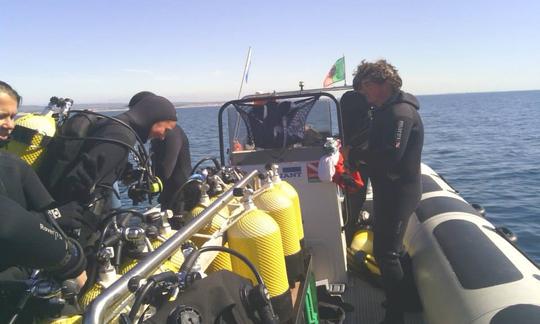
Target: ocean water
column 486, row 145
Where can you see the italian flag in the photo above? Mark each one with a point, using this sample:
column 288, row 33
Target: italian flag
column 336, row 73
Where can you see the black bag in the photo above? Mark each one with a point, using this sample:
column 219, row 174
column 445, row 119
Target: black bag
column 214, row 299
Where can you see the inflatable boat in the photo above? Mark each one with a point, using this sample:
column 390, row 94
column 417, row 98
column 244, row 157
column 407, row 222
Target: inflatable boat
column 465, row 269
column 264, row 240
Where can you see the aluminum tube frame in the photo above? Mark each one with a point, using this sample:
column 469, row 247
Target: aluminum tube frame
column 96, row 311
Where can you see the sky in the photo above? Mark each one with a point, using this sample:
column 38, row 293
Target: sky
column 106, row 51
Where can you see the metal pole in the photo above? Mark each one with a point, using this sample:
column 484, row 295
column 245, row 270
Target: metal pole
column 119, row 290
column 244, row 74
column 237, row 124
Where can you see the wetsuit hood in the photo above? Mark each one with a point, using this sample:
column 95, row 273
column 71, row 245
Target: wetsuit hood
column 138, row 97
column 402, row 97
column 410, row 99
column 147, row 112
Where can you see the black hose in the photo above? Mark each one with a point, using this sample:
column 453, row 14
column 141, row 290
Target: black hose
column 208, row 158
column 118, row 253
column 139, row 298
column 142, row 154
column 88, row 112
column 190, row 260
column 267, row 312
column 176, row 195
column 20, row 306
column 104, row 140
column 122, row 211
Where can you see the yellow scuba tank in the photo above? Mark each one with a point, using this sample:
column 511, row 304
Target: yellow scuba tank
column 31, row 135
column 211, row 227
column 292, row 194
column 90, row 295
column 257, row 236
column 360, row 253
column 273, row 201
column 222, row 260
column 127, row 265
column 71, row 319
column 363, row 241
column 175, row 261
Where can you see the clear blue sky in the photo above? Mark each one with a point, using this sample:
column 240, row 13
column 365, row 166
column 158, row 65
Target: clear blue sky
column 105, row 51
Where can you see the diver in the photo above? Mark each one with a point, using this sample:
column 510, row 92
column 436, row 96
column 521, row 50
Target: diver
column 28, row 237
column 171, row 158
column 393, row 157
column 355, row 120
column 150, row 118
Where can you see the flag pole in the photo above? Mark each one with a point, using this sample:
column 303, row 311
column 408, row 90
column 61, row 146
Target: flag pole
column 344, row 71
column 246, row 66
column 245, row 70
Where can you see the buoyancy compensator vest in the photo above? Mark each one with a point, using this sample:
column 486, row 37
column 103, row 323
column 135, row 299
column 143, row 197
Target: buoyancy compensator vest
column 30, row 138
column 222, row 297
column 64, row 150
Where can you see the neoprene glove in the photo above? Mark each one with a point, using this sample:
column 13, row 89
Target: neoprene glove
column 83, row 179
column 68, row 216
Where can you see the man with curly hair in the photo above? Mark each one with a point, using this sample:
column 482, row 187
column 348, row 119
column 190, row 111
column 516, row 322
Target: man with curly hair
column 393, row 157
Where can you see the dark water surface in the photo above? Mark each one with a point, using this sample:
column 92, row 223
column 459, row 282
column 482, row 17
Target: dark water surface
column 487, row 146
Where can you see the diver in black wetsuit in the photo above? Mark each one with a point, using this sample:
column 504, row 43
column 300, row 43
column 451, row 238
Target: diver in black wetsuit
column 171, row 158
column 393, row 157
column 27, row 238
column 150, row 118
column 355, row 120
column 172, row 161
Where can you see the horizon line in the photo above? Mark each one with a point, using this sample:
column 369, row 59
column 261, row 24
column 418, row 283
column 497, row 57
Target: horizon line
column 186, row 104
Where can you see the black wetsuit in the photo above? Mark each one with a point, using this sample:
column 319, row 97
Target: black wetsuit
column 27, row 240
column 355, row 120
column 114, row 157
column 395, row 147
column 140, row 118
column 22, row 241
column 172, row 161
column 19, row 182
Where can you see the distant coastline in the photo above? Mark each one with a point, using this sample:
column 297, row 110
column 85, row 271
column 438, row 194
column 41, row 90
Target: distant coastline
column 182, row 105
column 119, row 106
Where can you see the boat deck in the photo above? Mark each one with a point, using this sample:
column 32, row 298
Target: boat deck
column 367, row 300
